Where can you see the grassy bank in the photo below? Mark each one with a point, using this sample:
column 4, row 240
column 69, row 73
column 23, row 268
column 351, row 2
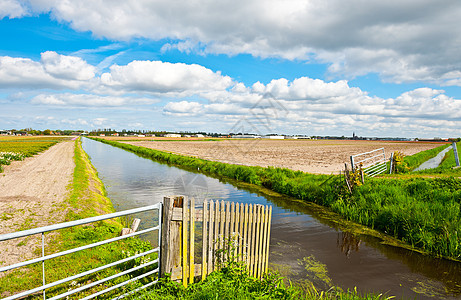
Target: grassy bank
column 87, row 198
column 414, row 161
column 233, row 282
column 422, row 212
column 446, row 167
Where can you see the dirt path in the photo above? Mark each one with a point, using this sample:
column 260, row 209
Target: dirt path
column 313, row 156
column 31, row 192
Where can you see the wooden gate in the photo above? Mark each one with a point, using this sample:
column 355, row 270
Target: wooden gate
column 218, row 232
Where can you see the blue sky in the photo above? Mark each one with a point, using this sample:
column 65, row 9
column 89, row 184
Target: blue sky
column 320, row 67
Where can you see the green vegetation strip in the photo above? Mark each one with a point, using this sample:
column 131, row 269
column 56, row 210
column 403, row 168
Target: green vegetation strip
column 446, row 167
column 87, row 198
column 424, row 213
column 233, row 282
column 414, row 161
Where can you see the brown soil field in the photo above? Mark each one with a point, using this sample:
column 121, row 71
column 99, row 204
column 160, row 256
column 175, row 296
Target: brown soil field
column 31, row 195
column 313, row 156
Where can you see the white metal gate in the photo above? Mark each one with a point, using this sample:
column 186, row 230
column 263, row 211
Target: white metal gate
column 372, row 163
column 42, row 230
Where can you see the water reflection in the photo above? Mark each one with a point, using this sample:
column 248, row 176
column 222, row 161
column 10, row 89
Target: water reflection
column 348, row 242
column 300, row 231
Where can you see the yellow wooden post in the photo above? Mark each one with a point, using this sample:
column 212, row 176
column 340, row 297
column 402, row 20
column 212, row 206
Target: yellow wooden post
column 184, row 241
column 211, row 239
column 216, row 234
column 268, row 237
column 264, row 254
column 251, row 239
column 258, row 228
column 241, row 241
column 191, row 243
column 204, row 239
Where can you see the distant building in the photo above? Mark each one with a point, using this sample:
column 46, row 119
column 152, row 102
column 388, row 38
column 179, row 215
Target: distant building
column 198, row 135
column 246, row 136
column 173, row 135
column 274, row 137
column 102, row 134
column 141, row 135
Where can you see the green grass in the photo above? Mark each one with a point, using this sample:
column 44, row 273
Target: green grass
column 233, row 282
column 424, row 213
column 447, row 165
column 87, row 199
column 414, row 161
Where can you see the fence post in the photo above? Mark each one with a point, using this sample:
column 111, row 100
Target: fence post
column 171, row 237
column 455, row 151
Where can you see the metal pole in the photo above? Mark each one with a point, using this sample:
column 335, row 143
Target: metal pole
column 352, row 163
column 392, row 160
column 455, row 151
column 160, row 240
column 43, row 263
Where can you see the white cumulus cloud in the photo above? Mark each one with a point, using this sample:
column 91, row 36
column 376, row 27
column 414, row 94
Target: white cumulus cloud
column 66, row 67
column 403, row 41
column 164, row 77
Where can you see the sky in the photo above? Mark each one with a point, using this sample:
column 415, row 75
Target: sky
column 312, row 67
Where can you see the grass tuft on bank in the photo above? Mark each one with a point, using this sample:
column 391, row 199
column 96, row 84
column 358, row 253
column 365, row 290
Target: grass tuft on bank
column 424, row 213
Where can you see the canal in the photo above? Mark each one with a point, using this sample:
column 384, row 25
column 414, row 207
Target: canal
column 307, row 244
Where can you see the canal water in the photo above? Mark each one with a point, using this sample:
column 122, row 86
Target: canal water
column 306, row 244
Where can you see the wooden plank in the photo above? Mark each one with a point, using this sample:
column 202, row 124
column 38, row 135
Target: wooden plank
column 177, row 214
column 251, row 239
column 216, row 234
column 265, row 219
column 211, row 239
column 241, row 221
column 192, row 241
column 227, row 232
column 245, row 235
column 268, row 237
column 204, row 239
column 165, row 263
column 235, row 233
column 258, row 227
column 222, row 220
column 260, row 248
column 184, row 242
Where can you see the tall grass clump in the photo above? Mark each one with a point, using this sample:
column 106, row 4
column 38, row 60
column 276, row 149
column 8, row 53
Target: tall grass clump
column 424, row 213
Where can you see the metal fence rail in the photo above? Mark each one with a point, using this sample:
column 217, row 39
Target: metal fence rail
column 372, row 163
column 43, row 230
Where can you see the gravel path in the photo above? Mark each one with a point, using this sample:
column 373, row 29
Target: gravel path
column 31, row 192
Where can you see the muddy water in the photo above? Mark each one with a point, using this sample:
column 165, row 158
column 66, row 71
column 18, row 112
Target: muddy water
column 307, row 244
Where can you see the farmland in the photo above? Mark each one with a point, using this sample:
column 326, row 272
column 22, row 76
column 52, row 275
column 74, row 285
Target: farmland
column 312, row 156
column 18, row 147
